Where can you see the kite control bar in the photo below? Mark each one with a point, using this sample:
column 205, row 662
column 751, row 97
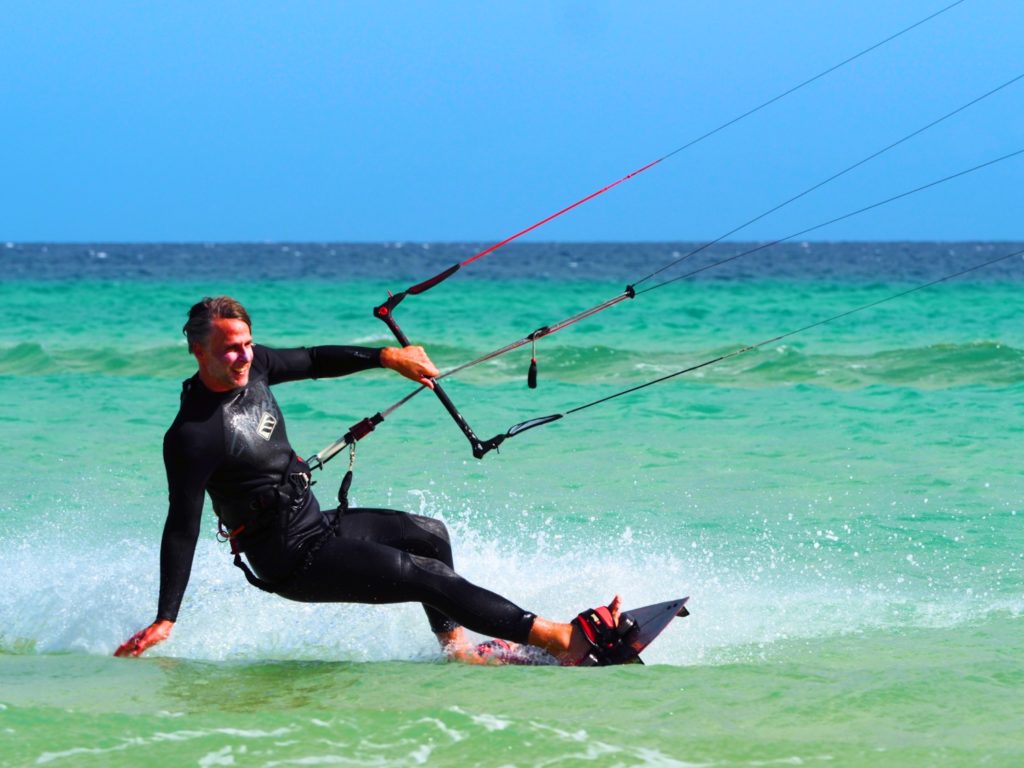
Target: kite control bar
column 386, row 313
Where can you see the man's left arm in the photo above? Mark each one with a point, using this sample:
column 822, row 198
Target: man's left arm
column 411, row 362
column 329, row 361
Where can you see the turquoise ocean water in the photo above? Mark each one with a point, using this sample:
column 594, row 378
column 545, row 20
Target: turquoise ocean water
column 845, row 508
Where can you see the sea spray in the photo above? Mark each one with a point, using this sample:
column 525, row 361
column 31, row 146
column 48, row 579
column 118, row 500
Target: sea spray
column 845, row 510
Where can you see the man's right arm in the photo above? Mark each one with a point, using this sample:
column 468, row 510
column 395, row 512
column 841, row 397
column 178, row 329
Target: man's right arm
column 189, row 467
column 186, row 480
column 177, row 550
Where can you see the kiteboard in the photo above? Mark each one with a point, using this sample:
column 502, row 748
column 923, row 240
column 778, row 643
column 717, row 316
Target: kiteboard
column 639, row 627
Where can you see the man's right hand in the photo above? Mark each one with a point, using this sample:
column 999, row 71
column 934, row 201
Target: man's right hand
column 155, row 633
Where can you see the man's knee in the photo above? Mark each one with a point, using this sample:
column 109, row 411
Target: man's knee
column 431, row 567
column 432, row 526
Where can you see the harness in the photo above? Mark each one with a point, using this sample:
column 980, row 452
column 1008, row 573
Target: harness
column 268, row 507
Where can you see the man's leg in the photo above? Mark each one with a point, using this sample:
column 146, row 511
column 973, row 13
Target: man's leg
column 415, row 534
column 383, row 556
column 375, row 558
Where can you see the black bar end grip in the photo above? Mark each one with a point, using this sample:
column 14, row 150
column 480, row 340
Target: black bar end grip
column 426, row 285
column 481, row 449
column 383, row 311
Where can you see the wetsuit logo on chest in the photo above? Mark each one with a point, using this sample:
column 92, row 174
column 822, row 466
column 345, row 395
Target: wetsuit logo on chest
column 266, row 427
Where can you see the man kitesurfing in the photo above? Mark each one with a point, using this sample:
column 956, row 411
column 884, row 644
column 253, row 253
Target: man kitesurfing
column 229, row 440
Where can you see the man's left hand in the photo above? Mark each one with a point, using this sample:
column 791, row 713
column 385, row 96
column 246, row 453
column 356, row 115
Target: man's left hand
column 411, row 362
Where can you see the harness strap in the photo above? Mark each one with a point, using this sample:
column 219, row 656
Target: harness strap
column 251, row 577
column 346, row 483
column 223, row 534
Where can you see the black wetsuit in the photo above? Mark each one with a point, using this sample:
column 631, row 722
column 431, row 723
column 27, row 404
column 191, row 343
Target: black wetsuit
column 233, row 445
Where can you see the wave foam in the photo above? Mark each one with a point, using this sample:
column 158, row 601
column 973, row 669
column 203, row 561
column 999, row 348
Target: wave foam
column 63, row 597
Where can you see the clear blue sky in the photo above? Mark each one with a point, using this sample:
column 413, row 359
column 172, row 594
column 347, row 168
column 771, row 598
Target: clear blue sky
column 366, row 121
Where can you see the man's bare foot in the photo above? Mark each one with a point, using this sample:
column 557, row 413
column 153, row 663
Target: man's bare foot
column 566, row 642
column 453, row 643
column 467, row 654
column 456, row 647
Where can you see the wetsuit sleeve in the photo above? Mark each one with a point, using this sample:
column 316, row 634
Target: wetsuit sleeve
column 321, row 362
column 186, row 481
